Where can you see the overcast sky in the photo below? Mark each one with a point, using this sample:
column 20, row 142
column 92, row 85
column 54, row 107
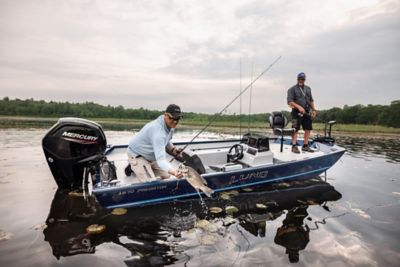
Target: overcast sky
column 152, row 53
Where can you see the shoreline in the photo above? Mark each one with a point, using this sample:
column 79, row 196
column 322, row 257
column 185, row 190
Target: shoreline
column 110, row 124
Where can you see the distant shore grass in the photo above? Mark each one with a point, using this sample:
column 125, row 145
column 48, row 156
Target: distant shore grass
column 228, row 127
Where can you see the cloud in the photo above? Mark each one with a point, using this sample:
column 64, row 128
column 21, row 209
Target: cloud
column 150, row 53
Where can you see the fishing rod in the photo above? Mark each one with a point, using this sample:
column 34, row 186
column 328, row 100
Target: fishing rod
column 240, row 91
column 233, row 100
column 250, row 97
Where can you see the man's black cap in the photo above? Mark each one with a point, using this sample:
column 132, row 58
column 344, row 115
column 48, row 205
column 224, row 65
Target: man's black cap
column 174, row 110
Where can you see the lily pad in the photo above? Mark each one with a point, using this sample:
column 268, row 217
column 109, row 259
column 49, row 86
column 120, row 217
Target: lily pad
column 212, row 228
column 231, row 209
column 215, row 210
column 202, row 224
column 284, row 185
column 4, row 236
column 233, row 193
column 261, row 206
column 40, row 227
column 225, row 196
column 95, row 229
column 248, row 189
column 119, row 211
column 228, row 220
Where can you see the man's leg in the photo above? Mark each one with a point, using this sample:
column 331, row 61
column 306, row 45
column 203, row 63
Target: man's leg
column 296, row 125
column 158, row 171
column 142, row 168
column 307, row 126
column 294, row 138
column 306, row 137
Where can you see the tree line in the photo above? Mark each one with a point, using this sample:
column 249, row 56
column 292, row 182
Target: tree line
column 387, row 115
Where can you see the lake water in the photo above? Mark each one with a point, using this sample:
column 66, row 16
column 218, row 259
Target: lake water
column 350, row 220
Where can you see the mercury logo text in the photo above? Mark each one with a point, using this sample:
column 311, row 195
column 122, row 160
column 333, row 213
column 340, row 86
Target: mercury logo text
column 80, row 137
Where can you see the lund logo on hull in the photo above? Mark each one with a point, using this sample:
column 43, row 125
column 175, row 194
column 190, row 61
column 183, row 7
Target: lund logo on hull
column 80, row 138
column 244, row 177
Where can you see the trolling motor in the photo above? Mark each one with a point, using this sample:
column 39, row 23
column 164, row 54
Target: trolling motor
column 327, row 138
column 72, row 147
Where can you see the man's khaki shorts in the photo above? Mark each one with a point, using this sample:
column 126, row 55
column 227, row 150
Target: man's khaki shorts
column 146, row 170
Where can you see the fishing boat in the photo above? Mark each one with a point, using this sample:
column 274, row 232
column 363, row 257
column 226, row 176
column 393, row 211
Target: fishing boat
column 78, row 156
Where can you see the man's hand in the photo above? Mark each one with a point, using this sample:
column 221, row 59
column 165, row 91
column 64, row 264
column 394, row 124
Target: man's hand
column 301, row 109
column 176, row 173
column 313, row 114
column 297, row 106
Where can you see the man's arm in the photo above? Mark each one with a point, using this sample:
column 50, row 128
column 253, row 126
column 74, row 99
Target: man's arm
column 312, row 105
column 160, row 154
column 313, row 109
column 173, row 150
column 292, row 103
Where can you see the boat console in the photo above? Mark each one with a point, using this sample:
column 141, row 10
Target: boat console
column 256, row 152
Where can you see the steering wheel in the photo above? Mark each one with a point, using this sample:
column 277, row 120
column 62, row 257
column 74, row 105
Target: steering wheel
column 235, row 153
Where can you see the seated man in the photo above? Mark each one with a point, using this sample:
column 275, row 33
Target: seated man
column 147, row 149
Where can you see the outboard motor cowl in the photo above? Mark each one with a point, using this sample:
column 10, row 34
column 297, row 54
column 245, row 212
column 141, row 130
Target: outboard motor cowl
column 69, row 146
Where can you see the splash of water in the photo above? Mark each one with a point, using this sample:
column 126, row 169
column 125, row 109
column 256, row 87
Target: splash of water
column 202, row 202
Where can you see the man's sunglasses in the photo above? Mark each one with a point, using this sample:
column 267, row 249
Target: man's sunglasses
column 302, row 79
column 174, row 118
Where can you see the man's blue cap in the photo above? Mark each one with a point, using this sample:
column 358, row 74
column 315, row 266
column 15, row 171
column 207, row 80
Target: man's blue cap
column 301, row 75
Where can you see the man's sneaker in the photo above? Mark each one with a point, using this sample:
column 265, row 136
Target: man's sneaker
column 307, row 149
column 295, row 149
column 128, row 170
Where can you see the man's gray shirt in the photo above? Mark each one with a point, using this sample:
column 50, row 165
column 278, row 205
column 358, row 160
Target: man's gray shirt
column 295, row 94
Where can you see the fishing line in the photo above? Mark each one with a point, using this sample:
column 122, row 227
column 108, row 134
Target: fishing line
column 233, row 100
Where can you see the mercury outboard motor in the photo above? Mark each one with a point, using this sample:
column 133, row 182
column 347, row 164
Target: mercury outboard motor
column 69, row 146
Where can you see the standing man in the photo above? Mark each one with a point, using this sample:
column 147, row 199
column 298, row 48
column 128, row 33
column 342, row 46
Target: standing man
column 300, row 99
column 147, row 149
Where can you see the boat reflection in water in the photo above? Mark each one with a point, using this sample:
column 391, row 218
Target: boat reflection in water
column 156, row 235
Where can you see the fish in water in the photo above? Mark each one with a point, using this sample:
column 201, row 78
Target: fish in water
column 195, row 180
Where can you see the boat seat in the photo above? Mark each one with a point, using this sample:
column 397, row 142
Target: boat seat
column 214, row 156
column 193, row 160
column 226, row 167
column 278, row 122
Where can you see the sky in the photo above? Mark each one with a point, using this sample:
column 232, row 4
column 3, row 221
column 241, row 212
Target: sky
column 200, row 54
